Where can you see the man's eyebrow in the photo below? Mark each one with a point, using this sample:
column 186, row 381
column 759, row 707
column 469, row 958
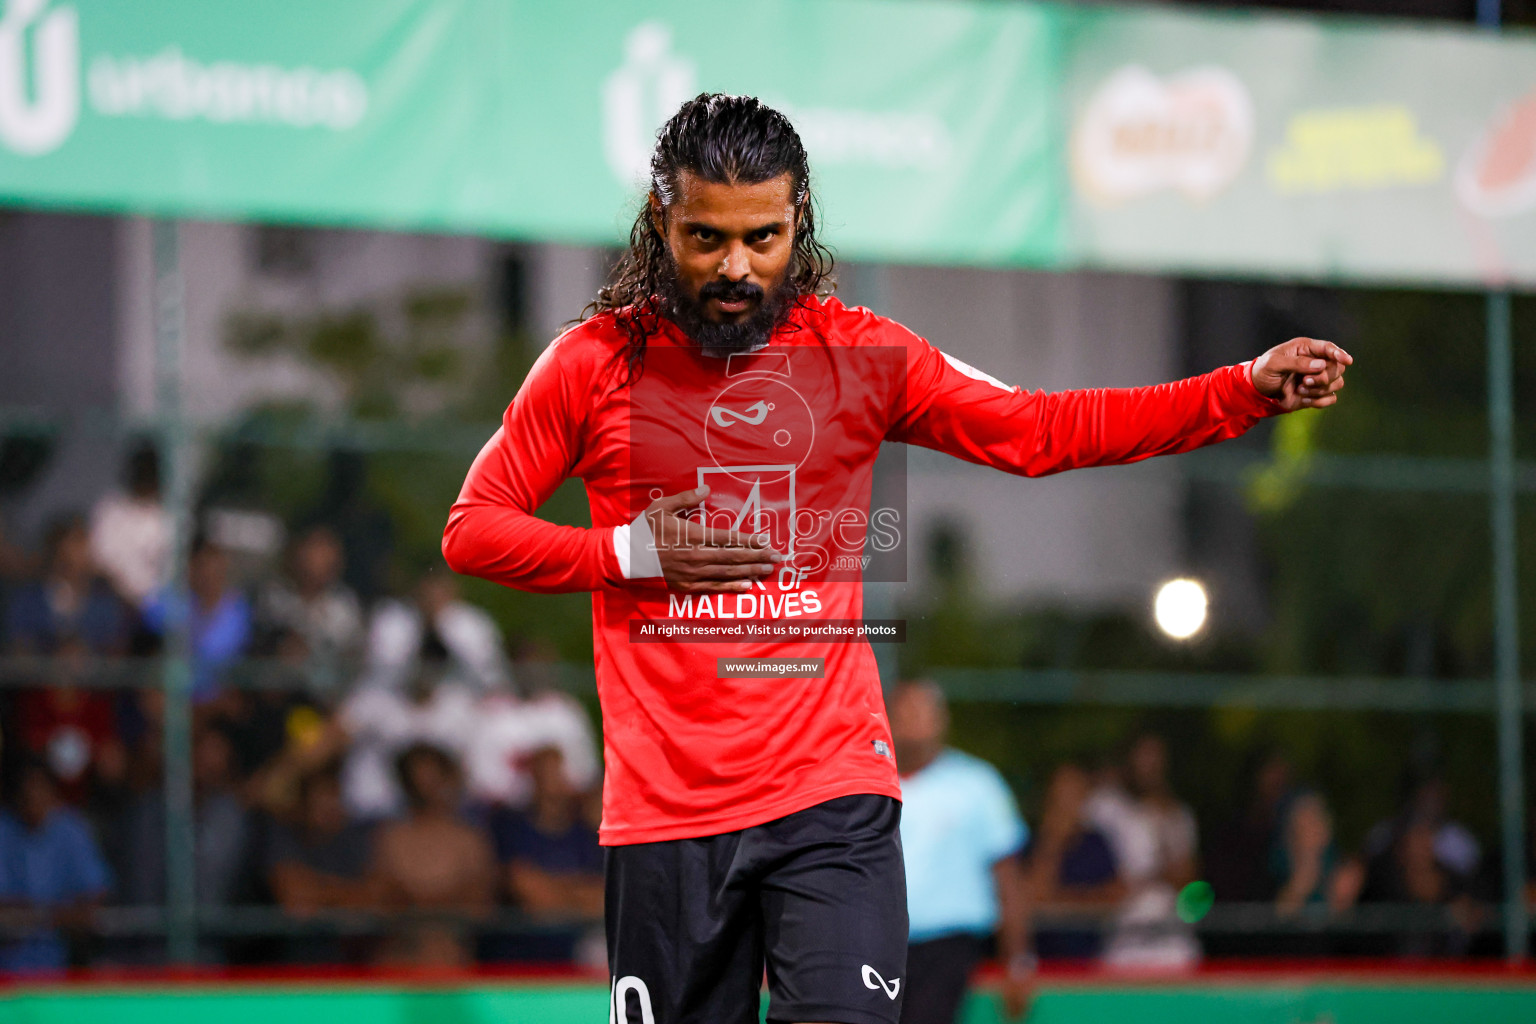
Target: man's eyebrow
column 691, row 222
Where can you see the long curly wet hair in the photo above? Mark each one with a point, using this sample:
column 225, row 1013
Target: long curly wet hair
column 728, row 140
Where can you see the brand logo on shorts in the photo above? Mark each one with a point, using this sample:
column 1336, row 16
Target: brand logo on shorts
column 872, row 980
column 882, row 748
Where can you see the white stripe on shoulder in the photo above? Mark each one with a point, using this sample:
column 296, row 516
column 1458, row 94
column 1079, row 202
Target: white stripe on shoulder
column 971, row 371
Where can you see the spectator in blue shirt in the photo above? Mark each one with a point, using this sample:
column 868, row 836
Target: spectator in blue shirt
column 552, row 862
column 217, row 618
column 317, row 862
column 51, row 873
column 70, row 603
column 962, row 835
column 1072, row 864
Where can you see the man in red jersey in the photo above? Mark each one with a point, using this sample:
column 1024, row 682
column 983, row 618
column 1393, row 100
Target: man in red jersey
column 724, row 414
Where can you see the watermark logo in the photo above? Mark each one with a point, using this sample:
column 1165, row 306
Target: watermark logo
column 39, row 76
column 785, row 438
column 639, row 97
column 1497, row 176
column 1191, row 132
column 725, row 416
column 759, row 413
column 759, row 430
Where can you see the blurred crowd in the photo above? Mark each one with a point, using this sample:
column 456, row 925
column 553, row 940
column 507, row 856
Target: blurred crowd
column 1115, row 837
column 406, row 765
column 404, row 759
column 1118, row 871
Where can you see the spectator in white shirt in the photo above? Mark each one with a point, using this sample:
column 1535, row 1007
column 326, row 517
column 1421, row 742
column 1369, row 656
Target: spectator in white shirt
column 509, row 731
column 314, row 604
column 131, row 532
column 1153, row 838
column 378, row 722
column 470, row 636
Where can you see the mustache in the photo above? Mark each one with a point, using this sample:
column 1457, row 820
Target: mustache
column 731, row 291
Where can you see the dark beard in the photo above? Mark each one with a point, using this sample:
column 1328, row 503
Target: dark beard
column 724, row 339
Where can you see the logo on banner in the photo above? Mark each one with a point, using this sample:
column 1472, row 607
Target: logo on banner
column 40, row 85
column 639, row 97
column 1497, row 176
column 39, row 76
column 1375, row 147
column 654, row 80
column 1191, row 132
column 177, row 87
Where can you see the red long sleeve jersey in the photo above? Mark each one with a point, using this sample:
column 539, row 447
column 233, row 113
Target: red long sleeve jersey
column 786, row 437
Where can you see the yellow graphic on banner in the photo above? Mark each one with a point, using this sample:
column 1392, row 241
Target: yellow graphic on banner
column 1354, row 148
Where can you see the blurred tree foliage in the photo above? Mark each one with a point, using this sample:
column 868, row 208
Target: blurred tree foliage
column 428, row 352
column 1399, row 582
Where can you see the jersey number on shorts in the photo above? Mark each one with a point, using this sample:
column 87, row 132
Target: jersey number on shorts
column 618, row 1002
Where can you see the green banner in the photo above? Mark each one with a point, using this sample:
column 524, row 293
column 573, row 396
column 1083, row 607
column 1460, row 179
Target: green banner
column 944, row 132
column 1334, row 150
column 1172, row 1003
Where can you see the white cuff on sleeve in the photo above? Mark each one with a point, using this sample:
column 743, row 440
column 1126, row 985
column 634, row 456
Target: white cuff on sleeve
column 635, row 547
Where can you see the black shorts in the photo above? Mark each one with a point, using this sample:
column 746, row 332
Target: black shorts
column 818, row 897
